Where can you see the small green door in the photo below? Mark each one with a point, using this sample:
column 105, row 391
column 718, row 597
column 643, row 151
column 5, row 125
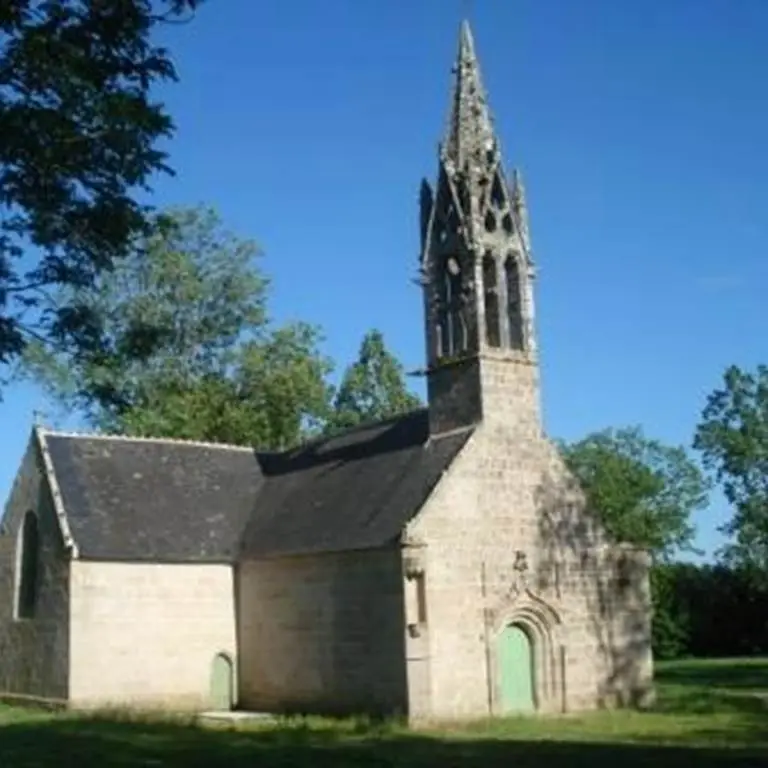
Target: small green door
column 221, row 683
column 516, row 670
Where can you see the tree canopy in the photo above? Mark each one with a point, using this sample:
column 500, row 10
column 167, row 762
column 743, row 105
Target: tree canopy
column 733, row 439
column 643, row 491
column 184, row 346
column 80, row 136
column 372, row 388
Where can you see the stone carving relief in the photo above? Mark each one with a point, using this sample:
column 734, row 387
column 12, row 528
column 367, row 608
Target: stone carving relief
column 520, row 577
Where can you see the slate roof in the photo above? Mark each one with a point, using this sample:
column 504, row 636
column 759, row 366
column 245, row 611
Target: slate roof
column 174, row 501
column 154, row 500
column 354, row 491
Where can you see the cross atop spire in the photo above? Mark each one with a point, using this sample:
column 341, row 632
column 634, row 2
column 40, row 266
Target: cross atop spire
column 470, row 129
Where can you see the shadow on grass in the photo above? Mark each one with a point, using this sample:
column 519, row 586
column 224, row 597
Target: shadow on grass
column 709, row 704
column 726, row 694
column 741, row 674
column 102, row 742
column 726, row 690
column 691, row 700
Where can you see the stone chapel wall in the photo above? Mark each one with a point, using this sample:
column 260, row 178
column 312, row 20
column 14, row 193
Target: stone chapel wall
column 607, row 582
column 323, row 633
column 34, row 652
column 505, row 539
column 145, row 635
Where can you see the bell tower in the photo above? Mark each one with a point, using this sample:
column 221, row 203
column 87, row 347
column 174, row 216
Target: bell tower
column 477, row 273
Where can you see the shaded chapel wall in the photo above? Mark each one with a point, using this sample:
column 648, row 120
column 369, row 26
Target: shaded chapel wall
column 612, row 579
column 323, row 633
column 34, row 652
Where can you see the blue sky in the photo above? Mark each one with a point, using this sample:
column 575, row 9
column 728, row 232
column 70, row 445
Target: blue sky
column 640, row 128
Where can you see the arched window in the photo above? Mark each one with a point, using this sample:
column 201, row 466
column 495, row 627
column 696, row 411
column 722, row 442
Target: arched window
column 497, row 194
column 514, row 303
column 441, row 327
column 491, row 292
column 451, row 331
column 27, row 557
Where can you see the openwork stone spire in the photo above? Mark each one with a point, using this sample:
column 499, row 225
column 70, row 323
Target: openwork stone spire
column 470, row 130
column 476, row 257
column 476, row 271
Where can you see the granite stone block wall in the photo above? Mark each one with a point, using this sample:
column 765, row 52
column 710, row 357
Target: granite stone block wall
column 323, row 633
column 34, row 651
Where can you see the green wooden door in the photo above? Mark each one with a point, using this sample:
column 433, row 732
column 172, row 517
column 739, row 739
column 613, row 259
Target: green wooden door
column 516, row 670
column 221, row 683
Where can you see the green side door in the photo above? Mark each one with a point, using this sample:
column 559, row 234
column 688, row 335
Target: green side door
column 516, row 671
column 221, row 683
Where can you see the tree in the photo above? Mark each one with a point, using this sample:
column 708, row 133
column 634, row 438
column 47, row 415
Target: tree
column 184, row 347
column 689, row 605
column 733, row 439
column 79, row 135
column 372, row 388
column 643, row 491
column 671, row 627
column 275, row 397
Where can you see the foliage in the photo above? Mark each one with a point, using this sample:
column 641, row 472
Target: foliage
column 671, row 619
column 184, row 346
column 275, row 397
column 708, row 610
column 372, row 388
column 733, row 439
column 79, row 136
column 644, row 491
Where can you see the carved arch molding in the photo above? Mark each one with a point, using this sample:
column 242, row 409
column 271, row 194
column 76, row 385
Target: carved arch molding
column 543, row 624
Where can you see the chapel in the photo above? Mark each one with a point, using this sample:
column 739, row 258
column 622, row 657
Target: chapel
column 443, row 564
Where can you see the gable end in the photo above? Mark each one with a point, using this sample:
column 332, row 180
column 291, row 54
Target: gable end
column 53, row 486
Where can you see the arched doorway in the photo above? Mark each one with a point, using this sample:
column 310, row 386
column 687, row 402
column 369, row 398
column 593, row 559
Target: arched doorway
column 516, row 671
column 222, row 683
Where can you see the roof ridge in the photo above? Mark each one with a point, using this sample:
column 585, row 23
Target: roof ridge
column 140, row 438
column 434, row 436
column 347, row 431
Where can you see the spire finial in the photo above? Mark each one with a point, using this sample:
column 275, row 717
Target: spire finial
column 467, row 45
column 469, row 127
column 465, row 36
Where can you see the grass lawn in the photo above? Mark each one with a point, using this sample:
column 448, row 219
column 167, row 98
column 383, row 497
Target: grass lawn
column 710, row 713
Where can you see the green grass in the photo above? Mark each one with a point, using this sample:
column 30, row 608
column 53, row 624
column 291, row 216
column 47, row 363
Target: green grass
column 709, row 713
